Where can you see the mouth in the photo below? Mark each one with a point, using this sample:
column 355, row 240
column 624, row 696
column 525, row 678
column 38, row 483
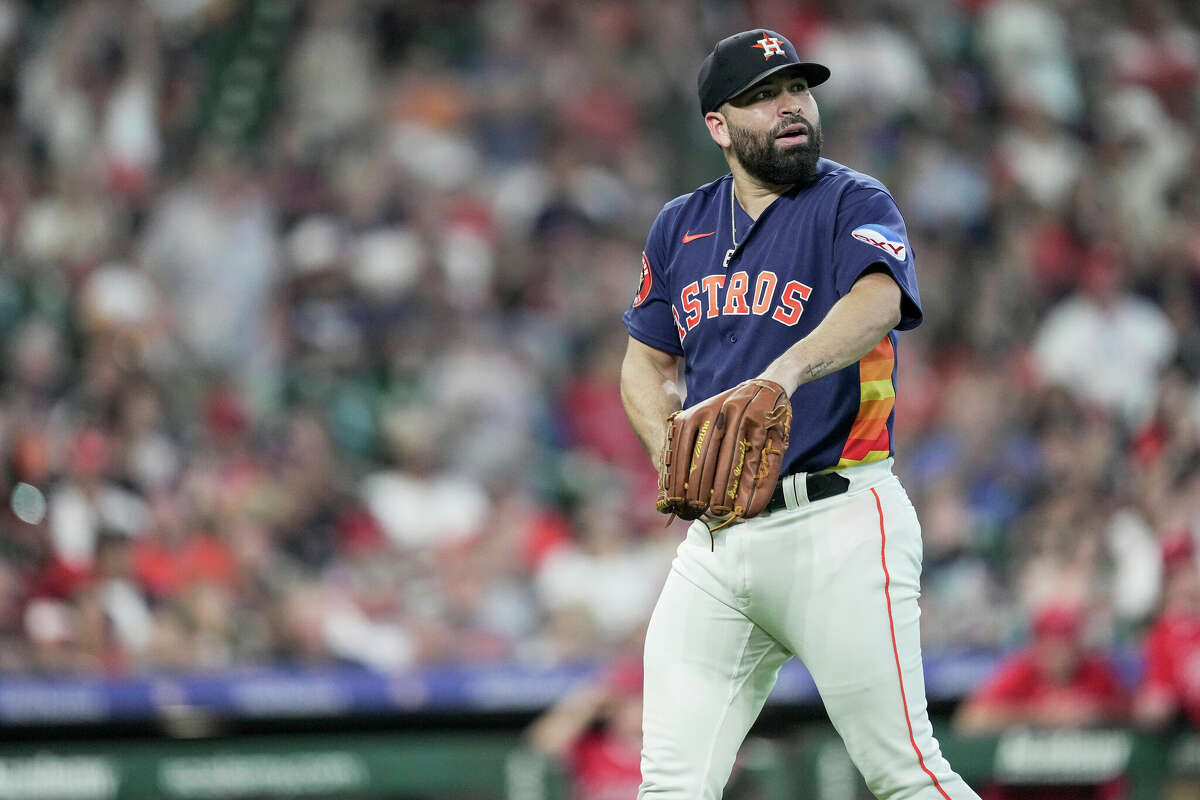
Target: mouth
column 793, row 134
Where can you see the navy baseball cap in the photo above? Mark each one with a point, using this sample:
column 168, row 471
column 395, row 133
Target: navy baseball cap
column 738, row 62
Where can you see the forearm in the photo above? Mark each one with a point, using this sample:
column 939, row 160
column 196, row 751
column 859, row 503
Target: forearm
column 650, row 394
column 556, row 730
column 978, row 719
column 854, row 325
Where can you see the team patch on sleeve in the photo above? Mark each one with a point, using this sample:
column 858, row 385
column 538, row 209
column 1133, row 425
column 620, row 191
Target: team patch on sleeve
column 644, row 287
column 885, row 239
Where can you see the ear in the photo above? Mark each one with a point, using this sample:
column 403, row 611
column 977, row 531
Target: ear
column 718, row 129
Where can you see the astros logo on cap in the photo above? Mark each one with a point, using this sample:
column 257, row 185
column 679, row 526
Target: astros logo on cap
column 770, row 45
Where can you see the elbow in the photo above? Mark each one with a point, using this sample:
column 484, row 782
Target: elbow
column 887, row 318
column 882, row 301
column 644, row 367
column 893, row 319
column 892, row 306
column 630, row 381
column 627, row 381
column 627, row 395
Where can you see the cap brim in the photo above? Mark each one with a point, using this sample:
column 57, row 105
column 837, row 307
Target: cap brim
column 814, row 73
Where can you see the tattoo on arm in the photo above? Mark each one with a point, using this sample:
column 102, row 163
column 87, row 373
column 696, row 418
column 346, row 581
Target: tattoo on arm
column 820, row 369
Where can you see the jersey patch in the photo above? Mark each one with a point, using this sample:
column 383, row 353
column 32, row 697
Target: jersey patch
column 644, row 287
column 881, row 237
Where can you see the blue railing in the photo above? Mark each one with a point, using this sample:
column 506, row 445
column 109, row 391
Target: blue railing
column 341, row 690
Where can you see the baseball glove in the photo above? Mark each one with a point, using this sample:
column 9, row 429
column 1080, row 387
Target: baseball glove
column 722, row 456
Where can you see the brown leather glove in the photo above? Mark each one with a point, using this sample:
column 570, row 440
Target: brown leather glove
column 722, row 456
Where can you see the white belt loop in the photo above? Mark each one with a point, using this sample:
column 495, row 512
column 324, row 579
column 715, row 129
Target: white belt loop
column 795, row 490
column 864, row 476
column 789, row 491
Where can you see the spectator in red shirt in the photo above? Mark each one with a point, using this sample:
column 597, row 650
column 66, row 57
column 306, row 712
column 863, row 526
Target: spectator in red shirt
column 1172, row 649
column 1053, row 683
column 596, row 731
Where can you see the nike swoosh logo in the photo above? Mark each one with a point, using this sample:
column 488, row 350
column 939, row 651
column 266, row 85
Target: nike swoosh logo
column 691, row 237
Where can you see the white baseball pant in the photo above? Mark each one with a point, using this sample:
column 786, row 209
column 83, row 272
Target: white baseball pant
column 833, row 582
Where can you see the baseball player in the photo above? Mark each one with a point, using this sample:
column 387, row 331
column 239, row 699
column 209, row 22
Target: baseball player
column 796, row 271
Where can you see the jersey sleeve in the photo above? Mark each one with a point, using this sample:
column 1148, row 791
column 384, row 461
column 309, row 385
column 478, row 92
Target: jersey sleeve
column 650, row 318
column 871, row 236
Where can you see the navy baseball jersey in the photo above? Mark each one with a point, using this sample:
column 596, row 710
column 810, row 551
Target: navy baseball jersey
column 731, row 309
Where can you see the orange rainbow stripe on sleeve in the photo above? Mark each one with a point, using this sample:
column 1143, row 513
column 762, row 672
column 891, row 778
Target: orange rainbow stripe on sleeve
column 868, row 440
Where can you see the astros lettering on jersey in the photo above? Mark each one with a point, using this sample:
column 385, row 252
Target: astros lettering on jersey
column 732, row 321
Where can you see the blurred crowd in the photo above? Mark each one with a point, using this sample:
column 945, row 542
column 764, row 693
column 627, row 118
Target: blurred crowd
column 311, row 315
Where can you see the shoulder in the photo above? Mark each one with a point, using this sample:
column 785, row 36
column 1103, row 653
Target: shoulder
column 686, row 209
column 1145, row 315
column 1018, row 667
column 1172, row 629
column 1017, row 675
column 668, row 216
column 847, row 182
column 699, row 197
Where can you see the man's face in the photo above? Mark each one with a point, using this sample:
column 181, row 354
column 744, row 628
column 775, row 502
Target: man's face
column 774, row 130
column 1059, row 657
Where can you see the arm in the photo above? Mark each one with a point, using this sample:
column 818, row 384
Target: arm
column 854, row 325
column 976, row 717
column 1157, row 701
column 996, row 704
column 650, row 394
column 556, row 730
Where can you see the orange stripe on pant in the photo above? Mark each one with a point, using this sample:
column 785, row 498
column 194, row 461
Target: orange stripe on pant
column 887, row 582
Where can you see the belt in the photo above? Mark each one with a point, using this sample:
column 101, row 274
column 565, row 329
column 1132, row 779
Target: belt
column 819, row 486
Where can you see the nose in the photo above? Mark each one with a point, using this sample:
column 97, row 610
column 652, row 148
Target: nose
column 789, row 104
column 792, row 113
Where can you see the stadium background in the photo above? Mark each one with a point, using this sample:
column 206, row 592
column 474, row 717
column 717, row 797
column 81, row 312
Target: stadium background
column 311, row 444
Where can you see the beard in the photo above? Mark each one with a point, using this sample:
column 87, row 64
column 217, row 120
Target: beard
column 772, row 164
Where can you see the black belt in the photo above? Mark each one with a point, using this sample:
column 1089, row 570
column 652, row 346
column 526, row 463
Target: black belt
column 820, row 486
